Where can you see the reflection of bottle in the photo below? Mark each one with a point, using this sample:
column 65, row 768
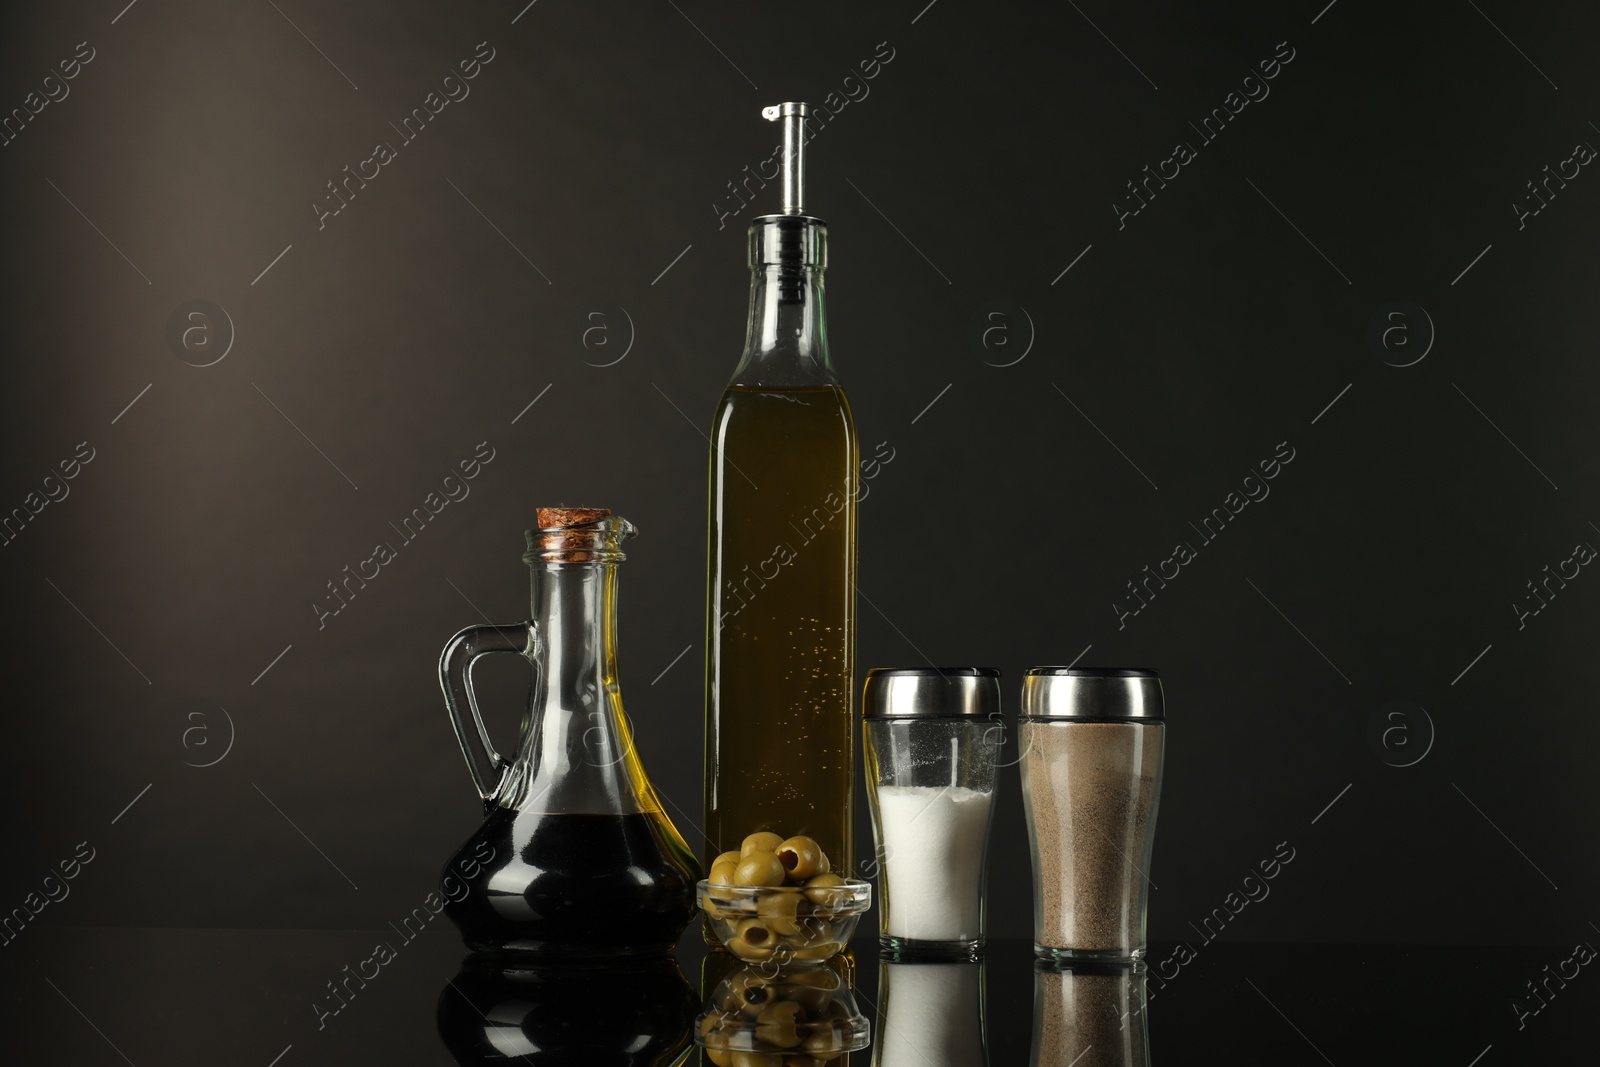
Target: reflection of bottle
column 1089, row 1016
column 930, row 1015
column 577, row 857
column 780, row 620
column 631, row 1015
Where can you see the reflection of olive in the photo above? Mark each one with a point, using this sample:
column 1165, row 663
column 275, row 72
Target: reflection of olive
column 757, row 1059
column 765, row 841
column 781, row 1011
column 811, row 999
column 759, row 869
column 802, row 858
column 777, row 1024
column 820, row 978
column 778, row 1035
column 746, row 988
column 746, row 951
column 824, row 1043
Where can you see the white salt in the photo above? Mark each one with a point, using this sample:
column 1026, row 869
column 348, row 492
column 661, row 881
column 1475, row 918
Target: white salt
column 933, row 844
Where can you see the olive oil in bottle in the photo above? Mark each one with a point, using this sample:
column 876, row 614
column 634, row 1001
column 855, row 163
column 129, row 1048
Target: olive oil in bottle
column 780, row 620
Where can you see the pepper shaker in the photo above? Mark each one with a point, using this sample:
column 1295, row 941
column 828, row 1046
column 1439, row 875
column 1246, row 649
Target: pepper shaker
column 1092, row 741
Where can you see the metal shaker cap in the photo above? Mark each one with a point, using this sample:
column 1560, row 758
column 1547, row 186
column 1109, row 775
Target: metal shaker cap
column 931, row 693
column 1093, row 694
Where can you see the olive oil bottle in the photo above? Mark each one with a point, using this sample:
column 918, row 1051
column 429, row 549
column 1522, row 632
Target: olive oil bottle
column 781, row 592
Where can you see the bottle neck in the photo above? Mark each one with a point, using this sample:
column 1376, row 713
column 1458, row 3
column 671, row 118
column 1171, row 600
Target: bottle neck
column 786, row 343
column 574, row 608
column 787, row 339
column 576, row 754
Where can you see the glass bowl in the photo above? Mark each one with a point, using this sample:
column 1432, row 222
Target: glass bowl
column 786, row 922
column 802, row 1013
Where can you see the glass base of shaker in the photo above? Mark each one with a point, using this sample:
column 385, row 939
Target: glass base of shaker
column 913, row 950
column 1089, row 955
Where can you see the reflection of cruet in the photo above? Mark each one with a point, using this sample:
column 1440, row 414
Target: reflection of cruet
column 634, row 1014
column 576, row 858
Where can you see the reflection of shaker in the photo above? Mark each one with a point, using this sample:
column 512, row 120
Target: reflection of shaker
column 1092, row 741
column 932, row 737
column 930, row 1015
column 1089, row 1015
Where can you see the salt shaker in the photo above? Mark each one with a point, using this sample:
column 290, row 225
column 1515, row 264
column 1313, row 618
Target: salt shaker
column 932, row 738
column 1092, row 741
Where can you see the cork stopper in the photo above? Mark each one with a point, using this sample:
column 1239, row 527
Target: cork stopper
column 577, row 535
column 559, row 518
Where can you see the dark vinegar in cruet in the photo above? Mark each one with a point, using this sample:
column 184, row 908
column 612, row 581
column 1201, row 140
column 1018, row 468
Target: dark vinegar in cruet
column 571, row 885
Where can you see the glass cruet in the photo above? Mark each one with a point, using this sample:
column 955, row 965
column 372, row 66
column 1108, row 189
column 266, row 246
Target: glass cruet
column 576, row 857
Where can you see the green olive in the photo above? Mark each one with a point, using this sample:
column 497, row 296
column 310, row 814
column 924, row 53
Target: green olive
column 755, row 932
column 821, row 950
column 821, row 890
column 726, row 857
column 759, row 869
column 802, row 858
column 720, row 1057
column 815, row 928
column 780, row 910
column 722, row 873
column 764, row 841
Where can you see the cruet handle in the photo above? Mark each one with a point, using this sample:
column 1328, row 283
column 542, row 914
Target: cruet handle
column 455, row 678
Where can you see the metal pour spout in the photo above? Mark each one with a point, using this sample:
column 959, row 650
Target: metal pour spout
column 793, row 114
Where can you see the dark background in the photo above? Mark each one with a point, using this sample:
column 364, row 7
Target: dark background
column 1173, row 356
